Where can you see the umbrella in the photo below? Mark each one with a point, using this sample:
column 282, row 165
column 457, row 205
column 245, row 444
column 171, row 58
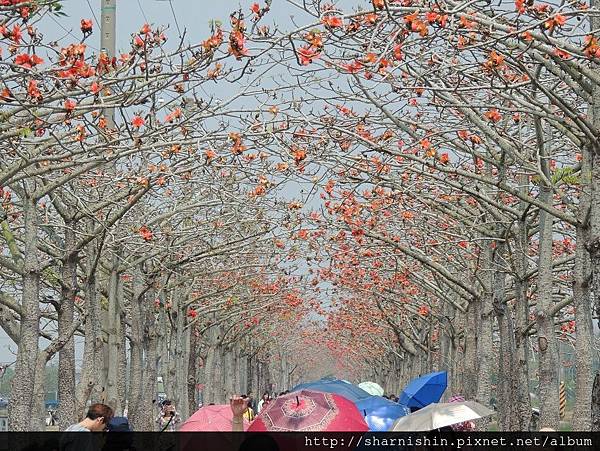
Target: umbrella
column 217, row 418
column 465, row 426
column 371, row 388
column 309, row 411
column 424, row 390
column 380, row 413
column 436, row 416
column 348, row 391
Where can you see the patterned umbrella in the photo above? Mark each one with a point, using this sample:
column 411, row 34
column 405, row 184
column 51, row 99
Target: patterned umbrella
column 372, row 388
column 309, row 411
column 210, row 419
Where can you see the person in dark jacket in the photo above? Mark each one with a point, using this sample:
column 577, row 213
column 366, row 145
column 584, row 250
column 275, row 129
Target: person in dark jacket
column 119, row 436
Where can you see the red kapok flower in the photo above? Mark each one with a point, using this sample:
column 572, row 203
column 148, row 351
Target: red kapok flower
column 192, row 313
column 146, row 233
column 137, row 121
column 86, row 26
column 492, row 115
column 70, row 105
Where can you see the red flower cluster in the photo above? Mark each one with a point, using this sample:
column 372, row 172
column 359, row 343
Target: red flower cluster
column 146, row 233
column 86, row 26
column 28, row 61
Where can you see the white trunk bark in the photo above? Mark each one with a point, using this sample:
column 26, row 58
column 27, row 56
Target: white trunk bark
column 23, row 384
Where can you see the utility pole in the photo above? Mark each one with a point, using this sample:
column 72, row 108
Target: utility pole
column 108, row 30
column 108, row 27
column 111, row 319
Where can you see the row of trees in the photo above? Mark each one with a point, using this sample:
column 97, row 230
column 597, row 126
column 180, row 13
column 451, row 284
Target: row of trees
column 388, row 190
column 462, row 213
column 132, row 217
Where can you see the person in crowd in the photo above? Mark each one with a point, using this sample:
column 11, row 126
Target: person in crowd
column 248, row 413
column 119, row 424
column 168, row 419
column 97, row 419
column 53, row 417
column 252, row 403
column 264, row 399
column 120, row 435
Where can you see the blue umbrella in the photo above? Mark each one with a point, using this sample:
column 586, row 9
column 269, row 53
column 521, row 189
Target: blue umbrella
column 348, row 391
column 424, row 390
column 380, row 413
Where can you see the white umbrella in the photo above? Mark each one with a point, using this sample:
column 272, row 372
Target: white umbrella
column 371, row 388
column 439, row 415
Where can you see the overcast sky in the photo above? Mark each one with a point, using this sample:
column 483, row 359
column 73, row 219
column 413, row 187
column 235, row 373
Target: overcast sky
column 192, row 15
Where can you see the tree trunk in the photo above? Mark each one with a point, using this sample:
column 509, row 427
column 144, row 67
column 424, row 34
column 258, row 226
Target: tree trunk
column 587, row 263
column 66, row 356
column 235, row 370
column 547, row 343
column 522, row 397
column 209, row 388
column 591, row 157
column 182, row 357
column 146, row 409
column 218, row 374
column 136, row 347
column 458, row 375
column 122, row 370
column 23, row 383
column 38, row 413
column 505, row 374
column 193, row 358
column 596, row 404
column 250, row 384
column 93, row 339
column 470, row 353
column 584, row 355
column 485, row 348
column 114, row 339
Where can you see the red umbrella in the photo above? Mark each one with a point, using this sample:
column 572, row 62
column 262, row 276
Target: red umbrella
column 309, row 411
column 216, row 418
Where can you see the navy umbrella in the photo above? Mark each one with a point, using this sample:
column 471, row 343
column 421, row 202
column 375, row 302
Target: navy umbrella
column 348, row 391
column 424, row 390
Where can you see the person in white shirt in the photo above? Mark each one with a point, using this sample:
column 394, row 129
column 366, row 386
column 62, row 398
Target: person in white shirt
column 264, row 400
column 96, row 420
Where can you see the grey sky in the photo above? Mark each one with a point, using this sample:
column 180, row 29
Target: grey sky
column 192, row 15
